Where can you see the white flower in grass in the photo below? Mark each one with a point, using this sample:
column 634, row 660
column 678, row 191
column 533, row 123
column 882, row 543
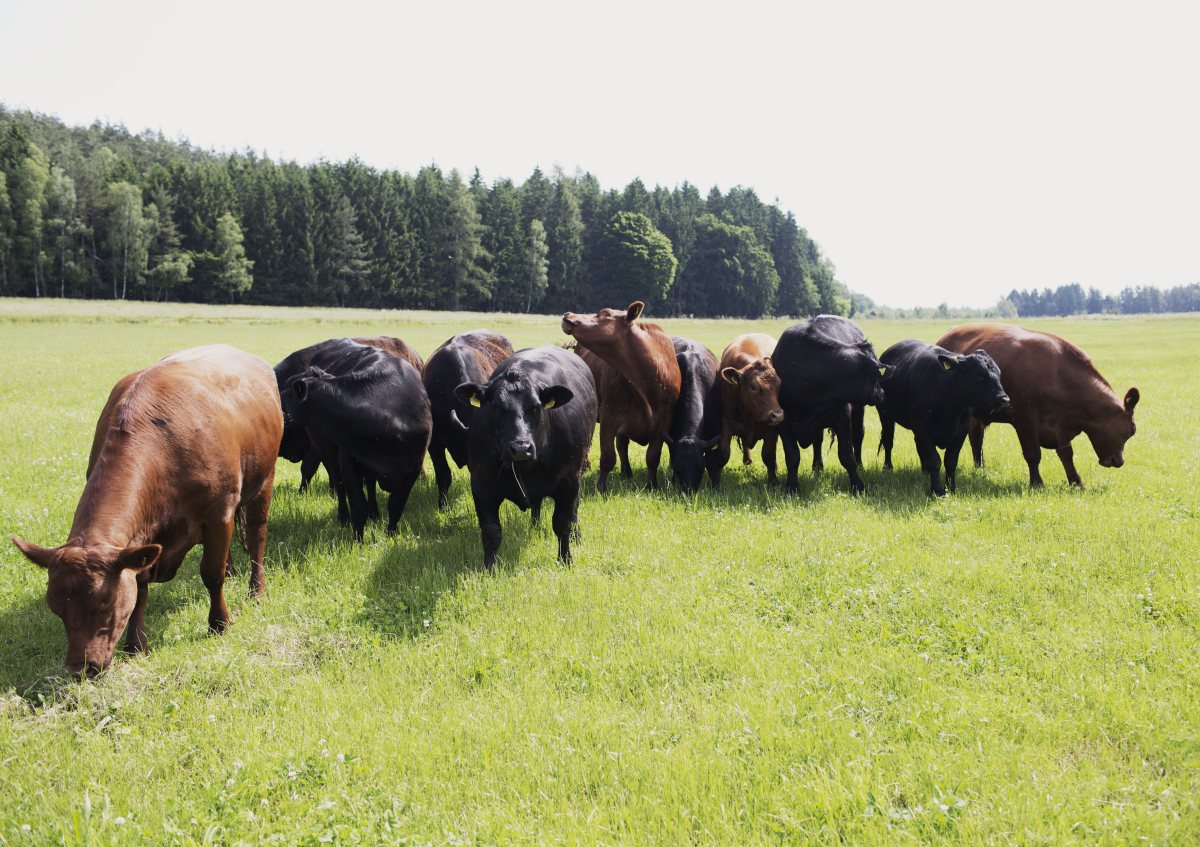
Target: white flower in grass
column 119, row 821
column 341, row 757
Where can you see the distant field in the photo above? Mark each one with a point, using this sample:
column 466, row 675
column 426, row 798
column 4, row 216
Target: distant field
column 743, row 667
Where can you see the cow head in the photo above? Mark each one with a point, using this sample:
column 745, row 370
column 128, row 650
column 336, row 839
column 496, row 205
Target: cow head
column 758, row 390
column 873, row 372
column 687, row 458
column 976, row 379
column 513, row 410
column 297, row 398
column 605, row 330
column 93, row 590
column 1109, row 432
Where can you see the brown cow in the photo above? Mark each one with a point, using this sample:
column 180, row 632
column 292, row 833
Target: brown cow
column 181, row 449
column 1056, row 394
column 750, row 399
column 639, row 385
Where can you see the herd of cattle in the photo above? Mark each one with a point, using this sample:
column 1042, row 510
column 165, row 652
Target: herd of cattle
column 185, row 450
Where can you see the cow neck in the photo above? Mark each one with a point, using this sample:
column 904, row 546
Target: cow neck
column 114, row 507
column 650, row 373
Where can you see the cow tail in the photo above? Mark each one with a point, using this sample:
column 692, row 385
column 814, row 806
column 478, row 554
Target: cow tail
column 832, row 435
column 239, row 528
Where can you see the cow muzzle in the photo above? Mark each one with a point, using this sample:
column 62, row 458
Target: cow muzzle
column 518, row 451
column 1004, row 403
column 89, row 669
column 569, row 322
column 1113, row 461
column 774, row 418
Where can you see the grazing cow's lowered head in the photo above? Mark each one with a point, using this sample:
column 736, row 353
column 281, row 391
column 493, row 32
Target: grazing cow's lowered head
column 687, row 458
column 512, row 407
column 976, row 379
column 93, row 590
column 758, row 390
column 1108, row 433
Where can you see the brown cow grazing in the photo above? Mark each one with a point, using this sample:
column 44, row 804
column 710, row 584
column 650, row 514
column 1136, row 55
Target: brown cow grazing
column 639, row 385
column 1056, row 393
column 181, row 449
column 749, row 400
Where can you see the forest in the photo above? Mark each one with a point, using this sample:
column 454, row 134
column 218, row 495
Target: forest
column 101, row 212
column 1133, row 300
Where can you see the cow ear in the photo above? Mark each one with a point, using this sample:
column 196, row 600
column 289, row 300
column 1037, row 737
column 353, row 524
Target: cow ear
column 1131, row 399
column 634, row 311
column 705, row 446
column 554, row 396
column 299, row 388
column 731, row 376
column 138, row 558
column 886, row 372
column 40, row 556
column 470, row 393
column 948, row 362
column 667, row 439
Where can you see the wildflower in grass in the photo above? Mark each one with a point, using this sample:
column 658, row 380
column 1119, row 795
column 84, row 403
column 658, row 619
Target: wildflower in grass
column 119, row 821
column 340, row 757
column 26, row 828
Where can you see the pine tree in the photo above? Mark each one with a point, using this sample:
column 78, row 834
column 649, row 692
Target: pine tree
column 462, row 245
column 352, row 255
column 536, row 264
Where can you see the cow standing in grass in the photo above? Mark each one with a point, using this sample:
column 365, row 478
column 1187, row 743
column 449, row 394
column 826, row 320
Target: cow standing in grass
column 1056, row 393
column 828, row 373
column 183, row 449
column 372, row 414
column 297, row 442
column 640, row 385
column 530, row 429
column 696, row 422
column 749, row 400
column 469, row 357
column 933, row 393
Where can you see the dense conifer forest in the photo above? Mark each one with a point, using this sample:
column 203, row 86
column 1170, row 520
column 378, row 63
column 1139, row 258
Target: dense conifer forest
column 101, row 212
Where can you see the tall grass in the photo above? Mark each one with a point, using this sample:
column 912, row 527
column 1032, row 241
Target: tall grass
column 741, row 666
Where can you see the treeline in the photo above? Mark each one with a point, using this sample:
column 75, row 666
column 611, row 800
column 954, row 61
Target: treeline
column 99, row 212
column 1073, row 300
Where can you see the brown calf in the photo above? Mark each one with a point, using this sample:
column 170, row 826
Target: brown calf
column 639, row 384
column 750, row 399
column 1056, row 393
column 181, row 449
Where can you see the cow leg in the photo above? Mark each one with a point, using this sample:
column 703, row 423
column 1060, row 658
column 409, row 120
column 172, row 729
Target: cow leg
column 487, row 509
column 858, row 427
column 608, row 455
column 951, row 458
column 398, row 499
column 723, row 452
column 1031, row 448
column 976, row 436
column 566, row 516
column 623, row 452
column 768, row 456
column 747, row 459
column 653, row 456
column 218, row 535
column 714, row 464
column 370, row 481
column 135, row 632
column 535, row 512
column 1066, row 454
column 842, row 429
column 352, row 484
column 791, row 457
column 255, row 528
column 818, row 462
column 441, row 473
column 931, row 462
column 887, row 436
column 309, row 465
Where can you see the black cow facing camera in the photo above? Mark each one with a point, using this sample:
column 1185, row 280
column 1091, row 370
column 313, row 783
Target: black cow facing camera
column 529, row 430
column 933, row 392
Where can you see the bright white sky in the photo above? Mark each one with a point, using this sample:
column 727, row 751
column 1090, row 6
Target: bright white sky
column 936, row 151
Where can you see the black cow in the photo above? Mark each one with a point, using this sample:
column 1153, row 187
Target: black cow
column 531, row 427
column 696, row 423
column 371, row 412
column 933, row 392
column 297, row 444
column 469, row 357
column 827, row 373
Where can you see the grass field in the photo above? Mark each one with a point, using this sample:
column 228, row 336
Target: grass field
column 1003, row 666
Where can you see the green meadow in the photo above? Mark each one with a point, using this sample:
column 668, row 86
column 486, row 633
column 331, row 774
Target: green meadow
column 1002, row 666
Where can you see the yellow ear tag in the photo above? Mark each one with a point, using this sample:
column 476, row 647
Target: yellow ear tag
column 550, row 403
column 882, row 371
column 475, row 401
column 945, row 366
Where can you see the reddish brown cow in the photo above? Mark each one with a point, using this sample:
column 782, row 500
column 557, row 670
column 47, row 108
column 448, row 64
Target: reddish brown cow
column 750, row 399
column 1056, row 394
column 640, row 384
column 181, row 449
